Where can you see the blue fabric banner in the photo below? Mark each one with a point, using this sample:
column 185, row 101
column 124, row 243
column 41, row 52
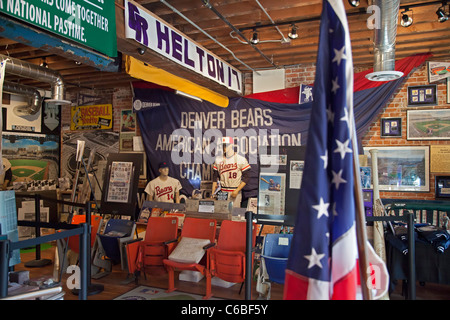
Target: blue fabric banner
column 184, row 132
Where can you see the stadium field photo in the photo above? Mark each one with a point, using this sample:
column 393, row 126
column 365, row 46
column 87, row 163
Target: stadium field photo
column 29, row 169
column 428, row 124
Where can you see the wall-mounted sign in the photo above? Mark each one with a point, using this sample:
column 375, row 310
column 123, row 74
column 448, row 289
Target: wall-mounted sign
column 90, row 23
column 154, row 33
column 91, row 117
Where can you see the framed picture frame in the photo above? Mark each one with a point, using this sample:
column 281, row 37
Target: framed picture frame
column 437, row 70
column 143, row 172
column 419, row 96
column 448, row 90
column 391, row 127
column 402, row 168
column 120, row 184
column 429, row 124
column 442, row 187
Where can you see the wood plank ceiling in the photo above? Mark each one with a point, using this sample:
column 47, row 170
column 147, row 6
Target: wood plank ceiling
column 275, row 49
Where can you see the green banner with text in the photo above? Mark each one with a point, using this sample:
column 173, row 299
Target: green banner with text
column 91, row 23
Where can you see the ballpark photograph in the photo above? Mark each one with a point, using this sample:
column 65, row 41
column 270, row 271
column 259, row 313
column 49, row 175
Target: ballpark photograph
column 428, row 124
column 32, row 156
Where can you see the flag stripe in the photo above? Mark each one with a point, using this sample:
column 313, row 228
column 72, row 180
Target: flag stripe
column 322, row 262
column 345, row 288
column 298, row 287
column 345, row 248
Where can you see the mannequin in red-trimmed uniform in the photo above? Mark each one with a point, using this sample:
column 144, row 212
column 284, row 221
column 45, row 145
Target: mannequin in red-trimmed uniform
column 164, row 188
column 232, row 172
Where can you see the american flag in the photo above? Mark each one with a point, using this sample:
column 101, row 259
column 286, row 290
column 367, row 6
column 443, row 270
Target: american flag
column 323, row 257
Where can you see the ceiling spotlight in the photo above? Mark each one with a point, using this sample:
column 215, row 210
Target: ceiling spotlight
column 442, row 16
column 293, row 34
column 255, row 39
column 141, row 51
column 44, row 63
column 406, row 20
column 354, row 3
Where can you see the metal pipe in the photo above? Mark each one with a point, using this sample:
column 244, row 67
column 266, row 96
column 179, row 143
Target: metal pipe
column 29, row 70
column 33, row 95
column 271, row 20
column 209, row 6
column 37, row 210
column 34, row 294
column 384, row 37
column 4, row 262
column 84, row 263
column 384, row 42
column 248, row 255
column 205, row 33
column 411, row 258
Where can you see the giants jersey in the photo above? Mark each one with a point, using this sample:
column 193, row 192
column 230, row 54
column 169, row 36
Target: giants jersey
column 230, row 171
column 163, row 191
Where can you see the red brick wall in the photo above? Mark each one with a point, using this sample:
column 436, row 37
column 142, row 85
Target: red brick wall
column 304, row 74
column 120, row 98
column 397, row 108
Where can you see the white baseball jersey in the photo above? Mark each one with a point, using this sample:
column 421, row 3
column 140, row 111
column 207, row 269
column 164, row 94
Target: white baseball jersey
column 163, row 190
column 230, row 171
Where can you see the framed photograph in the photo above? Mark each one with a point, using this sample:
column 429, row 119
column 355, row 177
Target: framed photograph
column 437, row 70
column 366, row 177
column 448, row 90
column 120, row 184
column 33, row 156
column 143, row 172
column 442, row 187
column 419, row 96
column 127, row 130
column 402, row 168
column 431, row 124
column 391, row 127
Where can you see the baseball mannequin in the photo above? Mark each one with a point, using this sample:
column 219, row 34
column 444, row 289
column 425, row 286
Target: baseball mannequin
column 232, row 171
column 164, row 188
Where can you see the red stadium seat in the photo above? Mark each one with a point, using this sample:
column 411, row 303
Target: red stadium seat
column 197, row 229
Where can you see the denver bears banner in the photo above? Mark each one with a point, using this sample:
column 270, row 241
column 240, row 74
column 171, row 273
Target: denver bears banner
column 184, row 132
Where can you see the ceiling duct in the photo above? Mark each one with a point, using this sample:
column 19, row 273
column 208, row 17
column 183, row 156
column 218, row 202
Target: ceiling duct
column 385, row 34
column 32, row 94
column 29, row 70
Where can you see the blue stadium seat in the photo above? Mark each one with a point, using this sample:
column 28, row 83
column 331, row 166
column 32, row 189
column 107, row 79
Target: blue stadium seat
column 116, row 232
column 275, row 255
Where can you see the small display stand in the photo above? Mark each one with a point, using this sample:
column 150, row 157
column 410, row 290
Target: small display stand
column 214, row 209
column 121, row 184
column 280, row 179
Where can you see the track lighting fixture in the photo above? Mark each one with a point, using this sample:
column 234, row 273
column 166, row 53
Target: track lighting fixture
column 354, row 3
column 406, row 19
column 293, row 34
column 442, row 16
column 255, row 38
column 141, row 51
column 44, row 63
